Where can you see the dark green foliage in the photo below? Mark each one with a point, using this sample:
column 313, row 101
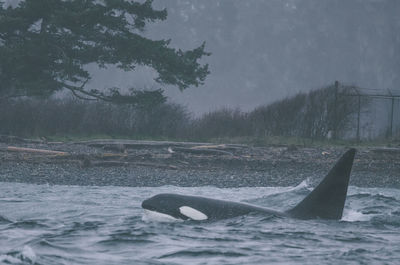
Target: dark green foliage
column 45, row 46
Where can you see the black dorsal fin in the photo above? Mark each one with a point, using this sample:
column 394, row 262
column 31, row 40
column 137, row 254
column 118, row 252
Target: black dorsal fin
column 327, row 200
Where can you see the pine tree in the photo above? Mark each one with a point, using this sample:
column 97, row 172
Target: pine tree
column 46, row 44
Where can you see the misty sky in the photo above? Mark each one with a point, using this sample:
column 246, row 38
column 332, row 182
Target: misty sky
column 267, row 50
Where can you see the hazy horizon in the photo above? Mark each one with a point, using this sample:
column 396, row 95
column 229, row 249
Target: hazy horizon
column 263, row 51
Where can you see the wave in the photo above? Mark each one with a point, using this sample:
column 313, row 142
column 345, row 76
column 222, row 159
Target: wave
column 4, row 220
column 305, row 184
column 24, row 256
column 29, row 224
column 350, row 215
column 202, row 253
column 12, row 200
column 386, row 220
column 375, row 196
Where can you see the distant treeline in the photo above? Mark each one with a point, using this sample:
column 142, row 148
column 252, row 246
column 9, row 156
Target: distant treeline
column 78, row 117
column 319, row 114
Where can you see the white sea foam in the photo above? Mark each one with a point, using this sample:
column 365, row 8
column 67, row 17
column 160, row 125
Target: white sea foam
column 8, row 259
column 29, row 254
column 305, row 184
column 355, row 216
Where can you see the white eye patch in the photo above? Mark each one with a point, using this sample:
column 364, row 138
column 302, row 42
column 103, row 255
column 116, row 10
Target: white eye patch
column 192, row 213
column 158, row 217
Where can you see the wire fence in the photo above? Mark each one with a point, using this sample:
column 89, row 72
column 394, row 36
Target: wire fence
column 378, row 112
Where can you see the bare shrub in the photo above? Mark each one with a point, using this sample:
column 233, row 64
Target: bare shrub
column 314, row 115
column 222, row 123
column 28, row 117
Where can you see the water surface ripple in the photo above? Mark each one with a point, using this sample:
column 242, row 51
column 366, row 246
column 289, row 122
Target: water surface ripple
column 42, row 224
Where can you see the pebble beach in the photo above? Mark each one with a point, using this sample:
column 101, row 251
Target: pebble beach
column 150, row 163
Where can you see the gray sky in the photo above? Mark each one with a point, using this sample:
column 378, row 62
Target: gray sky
column 266, row 50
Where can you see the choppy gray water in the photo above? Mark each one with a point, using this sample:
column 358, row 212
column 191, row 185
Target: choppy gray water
column 42, row 224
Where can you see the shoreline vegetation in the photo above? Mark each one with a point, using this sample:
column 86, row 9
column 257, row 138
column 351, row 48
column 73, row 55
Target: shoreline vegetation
column 320, row 116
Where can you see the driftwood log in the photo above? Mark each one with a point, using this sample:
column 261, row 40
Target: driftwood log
column 201, row 151
column 135, row 144
column 33, row 150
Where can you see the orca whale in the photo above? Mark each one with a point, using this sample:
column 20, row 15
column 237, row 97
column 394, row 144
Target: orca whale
column 326, row 201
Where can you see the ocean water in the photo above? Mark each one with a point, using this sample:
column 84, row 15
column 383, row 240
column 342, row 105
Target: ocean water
column 42, row 224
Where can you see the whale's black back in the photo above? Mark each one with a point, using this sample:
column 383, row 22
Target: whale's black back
column 327, row 200
column 214, row 209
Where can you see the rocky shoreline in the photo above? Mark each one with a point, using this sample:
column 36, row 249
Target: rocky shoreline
column 153, row 163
